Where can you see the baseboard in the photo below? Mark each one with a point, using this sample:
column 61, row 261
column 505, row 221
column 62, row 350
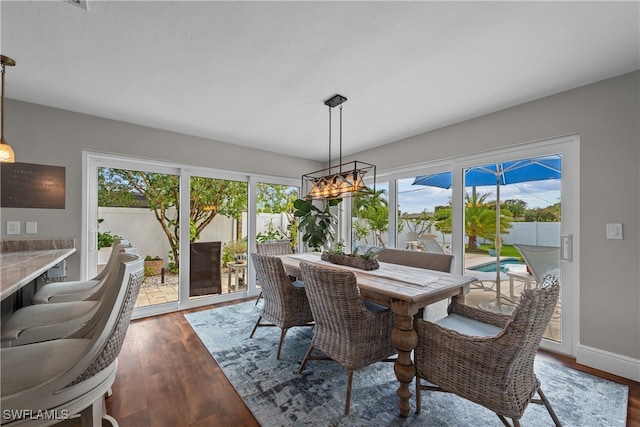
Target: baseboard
column 616, row 364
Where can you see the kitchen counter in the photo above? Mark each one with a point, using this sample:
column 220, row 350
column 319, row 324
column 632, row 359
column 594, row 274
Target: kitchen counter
column 22, row 261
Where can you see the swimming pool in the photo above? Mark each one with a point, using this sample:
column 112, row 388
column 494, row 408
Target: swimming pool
column 491, row 266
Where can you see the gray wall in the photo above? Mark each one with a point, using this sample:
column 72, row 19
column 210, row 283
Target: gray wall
column 51, row 136
column 607, row 117
column 605, row 114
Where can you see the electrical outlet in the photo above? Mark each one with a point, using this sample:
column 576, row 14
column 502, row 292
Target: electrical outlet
column 13, row 227
column 32, row 227
column 614, row 231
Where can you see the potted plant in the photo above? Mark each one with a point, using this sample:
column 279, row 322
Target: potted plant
column 315, row 223
column 235, row 250
column 105, row 244
column 153, row 265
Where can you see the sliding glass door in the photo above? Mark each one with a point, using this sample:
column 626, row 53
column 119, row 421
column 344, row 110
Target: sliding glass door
column 217, row 236
column 488, row 223
column 139, row 202
column 196, row 226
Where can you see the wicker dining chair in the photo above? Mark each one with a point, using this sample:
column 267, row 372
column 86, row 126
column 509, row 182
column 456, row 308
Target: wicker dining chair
column 345, row 331
column 273, row 248
column 285, row 302
column 487, row 357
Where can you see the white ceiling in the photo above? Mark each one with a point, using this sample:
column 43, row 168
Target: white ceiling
column 257, row 73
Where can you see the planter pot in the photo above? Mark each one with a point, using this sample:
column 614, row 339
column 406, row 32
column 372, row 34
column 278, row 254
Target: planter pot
column 492, row 252
column 351, row 261
column 103, row 255
column 153, row 267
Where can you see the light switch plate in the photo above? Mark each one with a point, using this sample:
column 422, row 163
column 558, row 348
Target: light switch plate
column 614, row 231
column 32, row 227
column 13, row 227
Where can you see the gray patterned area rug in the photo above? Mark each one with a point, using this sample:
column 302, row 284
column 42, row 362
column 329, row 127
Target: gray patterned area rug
column 278, row 396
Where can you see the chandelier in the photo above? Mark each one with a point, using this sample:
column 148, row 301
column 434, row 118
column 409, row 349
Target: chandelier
column 343, row 180
column 6, row 152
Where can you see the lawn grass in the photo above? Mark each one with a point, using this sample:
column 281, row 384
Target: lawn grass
column 507, row 250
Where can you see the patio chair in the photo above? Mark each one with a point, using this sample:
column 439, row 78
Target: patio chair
column 541, row 260
column 204, row 274
column 345, row 331
column 71, row 376
column 273, row 248
column 80, row 290
column 431, row 244
column 487, row 357
column 285, row 302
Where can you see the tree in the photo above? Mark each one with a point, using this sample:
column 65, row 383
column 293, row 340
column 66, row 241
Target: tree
column 209, row 197
column 418, row 223
column 275, row 198
column 548, row 214
column 479, row 219
column 374, row 211
column 516, row 206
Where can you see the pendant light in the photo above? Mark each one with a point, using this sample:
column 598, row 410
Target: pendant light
column 343, row 180
column 6, row 152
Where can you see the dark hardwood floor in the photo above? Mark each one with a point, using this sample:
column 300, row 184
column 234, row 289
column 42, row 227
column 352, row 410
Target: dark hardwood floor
column 166, row 377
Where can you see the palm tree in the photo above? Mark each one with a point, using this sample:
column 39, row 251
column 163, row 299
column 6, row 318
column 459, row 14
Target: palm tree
column 479, row 219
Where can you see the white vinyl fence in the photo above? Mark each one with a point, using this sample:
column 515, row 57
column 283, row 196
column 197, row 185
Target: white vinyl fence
column 525, row 233
column 141, row 227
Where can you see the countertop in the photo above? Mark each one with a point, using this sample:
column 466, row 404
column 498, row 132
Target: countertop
column 22, row 261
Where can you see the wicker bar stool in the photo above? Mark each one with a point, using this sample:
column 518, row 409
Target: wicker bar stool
column 70, row 376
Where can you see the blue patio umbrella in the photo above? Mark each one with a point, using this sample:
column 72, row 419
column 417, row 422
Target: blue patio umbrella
column 498, row 174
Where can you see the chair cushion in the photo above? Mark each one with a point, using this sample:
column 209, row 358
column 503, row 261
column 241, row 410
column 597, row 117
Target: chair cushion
column 62, row 289
column 27, row 366
column 298, row 284
column 468, row 326
column 47, row 316
column 374, row 307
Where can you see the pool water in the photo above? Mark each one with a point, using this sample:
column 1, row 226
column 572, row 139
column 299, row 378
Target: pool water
column 491, row 266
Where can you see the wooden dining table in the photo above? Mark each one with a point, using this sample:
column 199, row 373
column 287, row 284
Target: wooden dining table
column 405, row 290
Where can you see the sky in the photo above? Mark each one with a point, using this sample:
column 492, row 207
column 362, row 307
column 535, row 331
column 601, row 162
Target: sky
column 416, row 198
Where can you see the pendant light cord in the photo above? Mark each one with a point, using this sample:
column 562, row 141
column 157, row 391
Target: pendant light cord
column 2, row 106
column 340, row 138
column 329, row 140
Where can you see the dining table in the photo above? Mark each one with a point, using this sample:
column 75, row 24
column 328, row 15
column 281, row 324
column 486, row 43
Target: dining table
column 405, row 290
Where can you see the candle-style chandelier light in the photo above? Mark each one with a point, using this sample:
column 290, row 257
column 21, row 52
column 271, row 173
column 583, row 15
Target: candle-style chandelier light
column 343, row 180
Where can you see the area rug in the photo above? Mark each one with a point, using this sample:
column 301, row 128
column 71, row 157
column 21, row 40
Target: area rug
column 278, row 396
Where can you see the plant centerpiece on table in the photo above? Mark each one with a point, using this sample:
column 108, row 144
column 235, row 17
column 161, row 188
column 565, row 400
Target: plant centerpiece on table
column 153, row 265
column 362, row 257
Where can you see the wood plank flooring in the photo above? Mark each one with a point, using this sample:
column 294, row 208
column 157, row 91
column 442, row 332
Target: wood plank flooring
column 166, row 377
